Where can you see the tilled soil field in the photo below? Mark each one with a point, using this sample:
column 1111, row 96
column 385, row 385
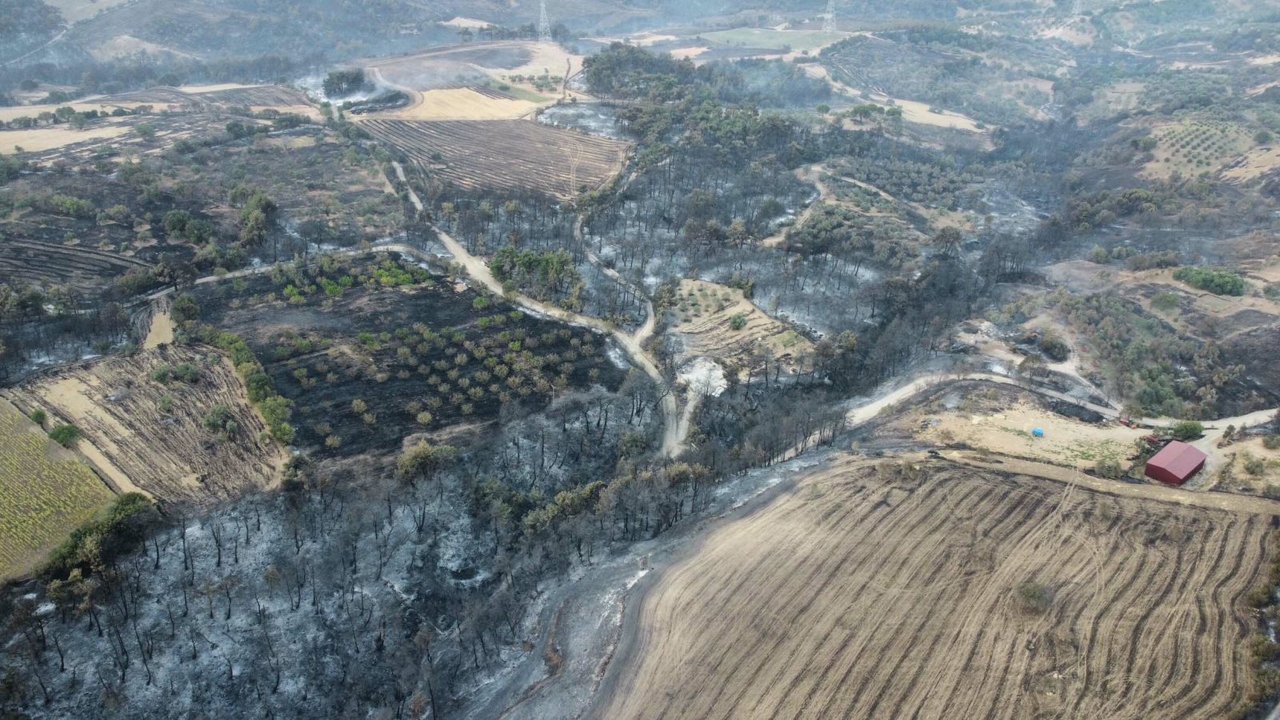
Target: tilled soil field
column 929, row 591
column 505, row 154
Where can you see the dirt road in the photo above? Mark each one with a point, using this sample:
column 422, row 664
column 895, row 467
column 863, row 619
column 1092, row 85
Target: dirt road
column 813, row 176
column 674, row 431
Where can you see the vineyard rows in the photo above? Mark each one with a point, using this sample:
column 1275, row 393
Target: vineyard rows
column 45, row 492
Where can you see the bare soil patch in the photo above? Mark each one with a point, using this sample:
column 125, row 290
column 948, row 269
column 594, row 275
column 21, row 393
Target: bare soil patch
column 126, row 46
column 932, row 591
column 1254, row 164
column 1003, row 422
column 74, row 11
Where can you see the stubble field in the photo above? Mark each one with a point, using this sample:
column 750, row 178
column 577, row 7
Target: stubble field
column 892, row 590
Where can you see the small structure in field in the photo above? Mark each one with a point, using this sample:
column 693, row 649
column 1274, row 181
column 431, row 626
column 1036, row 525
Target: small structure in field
column 1176, row 463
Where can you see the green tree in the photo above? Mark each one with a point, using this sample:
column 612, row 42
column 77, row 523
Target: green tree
column 424, row 461
column 1187, row 430
column 65, row 435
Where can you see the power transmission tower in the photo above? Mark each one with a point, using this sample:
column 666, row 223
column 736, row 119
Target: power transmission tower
column 544, row 24
column 829, row 19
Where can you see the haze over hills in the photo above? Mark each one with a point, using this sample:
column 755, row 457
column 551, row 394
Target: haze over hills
column 705, row 359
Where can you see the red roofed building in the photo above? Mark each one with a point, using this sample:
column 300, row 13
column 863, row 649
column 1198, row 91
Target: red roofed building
column 1176, row 463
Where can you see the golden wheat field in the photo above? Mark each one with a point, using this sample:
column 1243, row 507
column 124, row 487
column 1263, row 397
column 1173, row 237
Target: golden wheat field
column 45, row 493
column 931, row 591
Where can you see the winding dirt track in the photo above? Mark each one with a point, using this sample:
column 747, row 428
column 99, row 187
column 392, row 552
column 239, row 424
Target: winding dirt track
column 674, row 432
column 875, row 591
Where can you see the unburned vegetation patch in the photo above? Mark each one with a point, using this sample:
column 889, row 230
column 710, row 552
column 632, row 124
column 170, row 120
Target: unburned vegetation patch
column 899, row 590
column 45, row 493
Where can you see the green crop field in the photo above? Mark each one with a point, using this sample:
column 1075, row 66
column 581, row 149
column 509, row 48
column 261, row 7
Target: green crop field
column 45, row 492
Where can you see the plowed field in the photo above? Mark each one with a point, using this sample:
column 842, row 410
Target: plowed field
column 505, row 154
column 892, row 591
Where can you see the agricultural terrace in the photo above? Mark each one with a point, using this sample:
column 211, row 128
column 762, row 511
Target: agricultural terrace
column 994, row 79
column 228, row 96
column 45, row 493
column 1194, row 147
column 371, row 351
column 80, row 268
column 111, row 137
column 505, row 155
column 172, row 422
column 142, row 120
column 931, row 591
column 720, row 322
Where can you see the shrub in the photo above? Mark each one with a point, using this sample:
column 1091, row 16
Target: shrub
column 1034, row 598
column 1055, row 348
column 187, row 373
column 738, row 322
column 1166, row 302
column 65, row 435
column 1109, row 468
column 39, row 417
column 1255, row 466
column 1271, row 442
column 1218, row 282
column 220, row 420
column 1187, row 430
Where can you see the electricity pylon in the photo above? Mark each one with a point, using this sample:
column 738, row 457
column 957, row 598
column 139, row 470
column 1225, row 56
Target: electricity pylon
column 544, row 24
